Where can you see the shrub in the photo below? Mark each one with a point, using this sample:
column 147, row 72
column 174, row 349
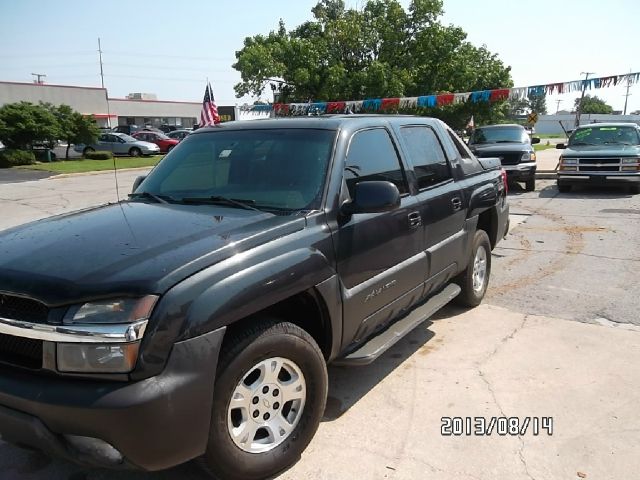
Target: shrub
column 13, row 158
column 99, row 155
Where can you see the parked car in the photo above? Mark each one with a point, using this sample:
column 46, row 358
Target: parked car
column 167, row 128
column 513, row 146
column 126, row 129
column 160, row 139
column 199, row 323
column 179, row 134
column 119, row 144
column 601, row 154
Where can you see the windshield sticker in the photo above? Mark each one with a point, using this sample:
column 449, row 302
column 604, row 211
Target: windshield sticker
column 608, row 129
column 582, row 133
column 224, row 153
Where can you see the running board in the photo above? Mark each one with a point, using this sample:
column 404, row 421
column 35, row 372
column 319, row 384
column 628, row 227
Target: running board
column 379, row 344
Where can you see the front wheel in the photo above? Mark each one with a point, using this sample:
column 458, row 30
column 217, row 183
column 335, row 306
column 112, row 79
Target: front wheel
column 269, row 398
column 530, row 185
column 87, row 150
column 474, row 280
column 634, row 189
column 564, row 188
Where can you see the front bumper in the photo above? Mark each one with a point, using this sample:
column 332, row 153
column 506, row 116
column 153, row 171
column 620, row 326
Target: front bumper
column 521, row 171
column 154, row 424
column 584, row 178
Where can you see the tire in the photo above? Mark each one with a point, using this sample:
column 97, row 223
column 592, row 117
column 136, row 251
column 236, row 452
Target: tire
column 471, row 296
column 634, row 189
column 135, row 152
column 87, row 150
column 563, row 188
column 230, row 453
column 530, row 184
column 170, row 148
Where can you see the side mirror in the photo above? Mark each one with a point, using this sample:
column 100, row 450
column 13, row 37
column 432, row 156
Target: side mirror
column 373, row 197
column 137, row 182
column 535, row 140
column 561, row 146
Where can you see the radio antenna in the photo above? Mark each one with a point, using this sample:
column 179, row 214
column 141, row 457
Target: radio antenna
column 115, row 168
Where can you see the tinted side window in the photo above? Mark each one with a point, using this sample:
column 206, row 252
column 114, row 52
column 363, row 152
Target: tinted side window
column 429, row 163
column 468, row 162
column 372, row 156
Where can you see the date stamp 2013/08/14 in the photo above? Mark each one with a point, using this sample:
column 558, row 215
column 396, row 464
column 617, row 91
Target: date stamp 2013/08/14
column 481, row 426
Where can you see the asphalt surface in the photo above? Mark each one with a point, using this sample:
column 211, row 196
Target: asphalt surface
column 557, row 336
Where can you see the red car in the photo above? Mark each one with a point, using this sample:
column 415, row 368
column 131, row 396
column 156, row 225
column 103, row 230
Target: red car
column 165, row 143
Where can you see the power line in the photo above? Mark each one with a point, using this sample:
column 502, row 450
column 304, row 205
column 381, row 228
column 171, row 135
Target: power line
column 180, row 57
column 164, row 67
column 170, row 79
column 48, row 54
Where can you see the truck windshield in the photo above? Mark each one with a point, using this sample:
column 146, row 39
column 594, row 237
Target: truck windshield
column 499, row 135
column 279, row 169
column 605, row 136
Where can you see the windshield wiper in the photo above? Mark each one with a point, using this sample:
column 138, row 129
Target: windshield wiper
column 153, row 196
column 507, row 141
column 237, row 202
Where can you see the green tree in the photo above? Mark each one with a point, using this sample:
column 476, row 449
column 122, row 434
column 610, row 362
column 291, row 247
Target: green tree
column 537, row 104
column 23, row 124
column 381, row 50
column 591, row 104
column 74, row 127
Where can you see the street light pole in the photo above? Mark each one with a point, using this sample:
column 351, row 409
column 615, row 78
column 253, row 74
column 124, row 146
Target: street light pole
column 100, row 55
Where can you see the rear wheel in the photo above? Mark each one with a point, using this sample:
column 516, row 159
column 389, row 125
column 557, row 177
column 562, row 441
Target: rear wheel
column 530, row 184
column 564, row 188
column 474, row 280
column 88, row 150
column 269, row 397
column 135, row 152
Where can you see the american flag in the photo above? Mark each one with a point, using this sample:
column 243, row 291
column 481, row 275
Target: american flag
column 209, row 115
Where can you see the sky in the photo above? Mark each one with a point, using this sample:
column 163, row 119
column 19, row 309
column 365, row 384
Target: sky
column 171, row 48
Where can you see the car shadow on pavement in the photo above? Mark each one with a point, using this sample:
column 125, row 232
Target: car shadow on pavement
column 347, row 385
column 586, row 193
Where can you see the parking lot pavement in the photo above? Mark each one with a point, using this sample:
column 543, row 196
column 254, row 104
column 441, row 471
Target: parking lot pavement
column 557, row 336
column 16, row 175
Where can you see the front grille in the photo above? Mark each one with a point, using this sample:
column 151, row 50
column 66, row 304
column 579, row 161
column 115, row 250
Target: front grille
column 505, row 158
column 22, row 352
column 25, row 309
column 595, row 161
column 599, row 168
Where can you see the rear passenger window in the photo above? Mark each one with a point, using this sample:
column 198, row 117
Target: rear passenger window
column 372, row 156
column 425, row 152
column 468, row 162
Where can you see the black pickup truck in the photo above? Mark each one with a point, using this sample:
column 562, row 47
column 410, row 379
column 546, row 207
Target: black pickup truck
column 196, row 319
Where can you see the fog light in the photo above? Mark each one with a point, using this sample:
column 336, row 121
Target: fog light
column 568, row 169
column 633, row 168
column 95, row 448
column 97, row 358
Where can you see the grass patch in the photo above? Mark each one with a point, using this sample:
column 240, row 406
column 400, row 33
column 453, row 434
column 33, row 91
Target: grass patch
column 538, row 147
column 80, row 166
column 550, row 135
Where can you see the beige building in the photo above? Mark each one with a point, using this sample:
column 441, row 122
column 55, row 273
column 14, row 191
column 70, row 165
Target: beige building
column 107, row 111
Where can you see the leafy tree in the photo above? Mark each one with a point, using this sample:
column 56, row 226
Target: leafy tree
column 537, row 104
column 381, row 50
column 74, row 127
column 591, row 104
column 23, row 124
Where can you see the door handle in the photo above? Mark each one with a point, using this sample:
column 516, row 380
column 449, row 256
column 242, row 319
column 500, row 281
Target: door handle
column 415, row 220
column 457, row 203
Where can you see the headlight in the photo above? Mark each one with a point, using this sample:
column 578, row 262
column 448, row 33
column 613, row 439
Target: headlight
column 99, row 357
column 121, row 310
column 630, row 160
column 568, row 161
column 525, row 157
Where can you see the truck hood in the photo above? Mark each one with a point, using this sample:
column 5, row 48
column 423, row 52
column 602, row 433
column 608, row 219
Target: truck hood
column 127, row 248
column 489, row 149
column 602, row 151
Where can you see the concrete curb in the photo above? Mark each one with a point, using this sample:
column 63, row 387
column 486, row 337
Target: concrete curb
column 98, row 172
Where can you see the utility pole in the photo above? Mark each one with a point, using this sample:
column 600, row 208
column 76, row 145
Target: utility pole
column 100, row 54
column 584, row 89
column 558, row 102
column 626, row 95
column 39, row 79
